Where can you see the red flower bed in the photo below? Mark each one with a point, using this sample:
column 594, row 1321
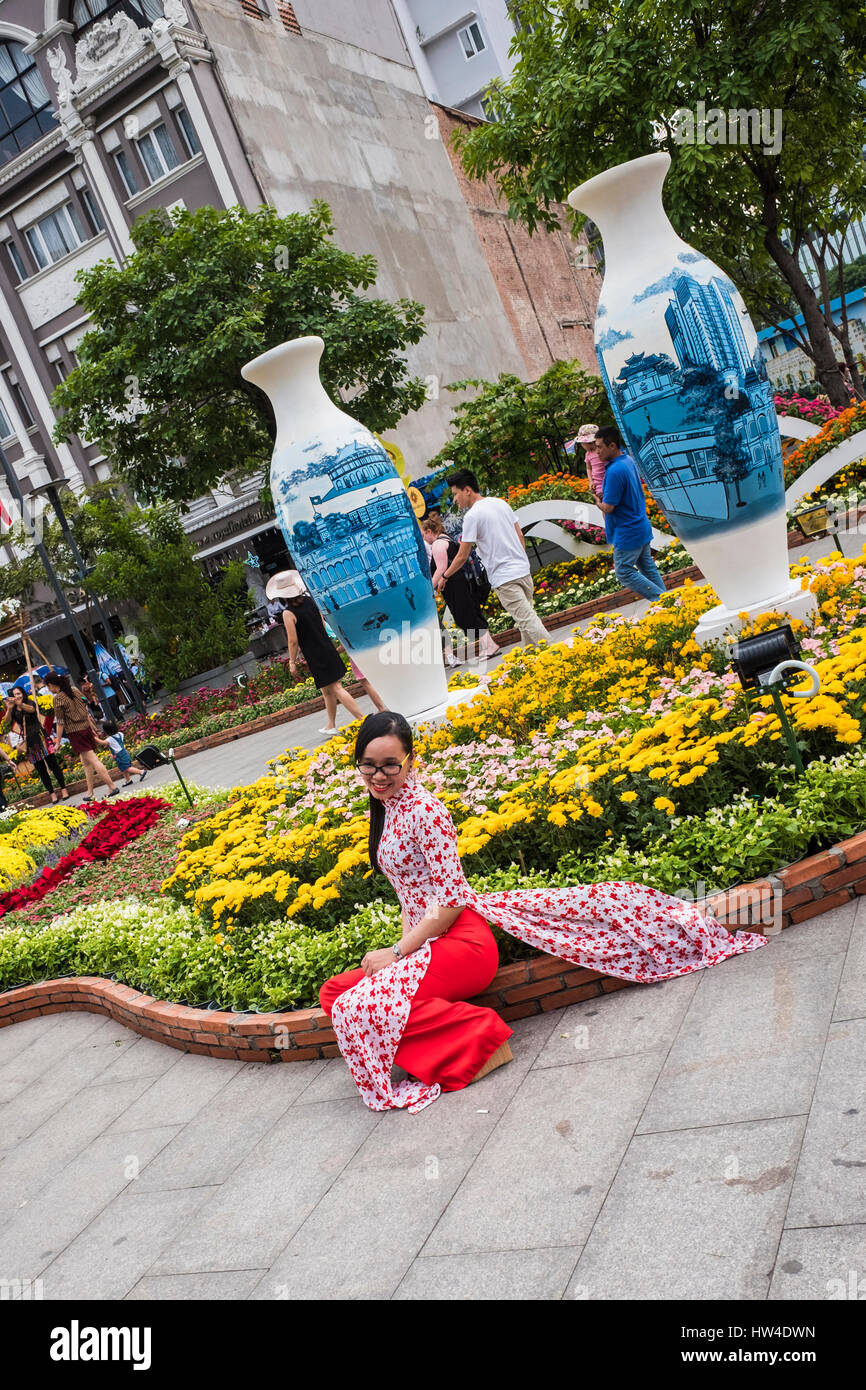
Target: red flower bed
column 118, row 823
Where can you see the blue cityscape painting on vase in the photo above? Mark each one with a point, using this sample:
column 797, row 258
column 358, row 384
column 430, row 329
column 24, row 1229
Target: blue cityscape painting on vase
column 699, row 419
column 349, row 526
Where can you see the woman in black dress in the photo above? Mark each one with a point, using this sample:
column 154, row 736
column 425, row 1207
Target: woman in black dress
column 22, row 714
column 306, row 635
column 459, row 592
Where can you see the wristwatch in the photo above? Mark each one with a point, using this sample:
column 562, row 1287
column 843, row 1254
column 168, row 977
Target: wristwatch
column 397, row 952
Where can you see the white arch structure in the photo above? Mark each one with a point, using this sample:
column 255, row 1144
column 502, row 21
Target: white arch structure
column 539, row 518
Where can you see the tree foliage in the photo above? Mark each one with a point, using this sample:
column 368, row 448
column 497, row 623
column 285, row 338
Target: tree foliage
column 599, row 83
column 512, row 431
column 159, row 383
column 184, row 624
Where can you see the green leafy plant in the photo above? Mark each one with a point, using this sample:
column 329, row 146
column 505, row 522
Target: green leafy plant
column 159, row 381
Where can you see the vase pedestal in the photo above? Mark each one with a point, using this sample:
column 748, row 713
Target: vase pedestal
column 719, row 621
column 437, row 713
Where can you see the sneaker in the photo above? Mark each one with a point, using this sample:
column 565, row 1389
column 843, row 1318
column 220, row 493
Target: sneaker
column 143, row 775
column 116, row 792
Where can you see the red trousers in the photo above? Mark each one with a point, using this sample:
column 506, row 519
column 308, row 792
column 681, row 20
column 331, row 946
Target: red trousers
column 445, row 1040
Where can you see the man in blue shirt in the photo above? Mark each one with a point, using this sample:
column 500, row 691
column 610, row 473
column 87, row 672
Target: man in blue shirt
column 626, row 523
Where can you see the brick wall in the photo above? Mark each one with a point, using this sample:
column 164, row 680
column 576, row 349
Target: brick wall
column 540, row 286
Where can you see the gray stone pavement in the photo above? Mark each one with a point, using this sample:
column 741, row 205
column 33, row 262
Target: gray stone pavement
column 700, row 1138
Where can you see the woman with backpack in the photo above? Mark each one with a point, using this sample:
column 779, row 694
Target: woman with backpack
column 72, row 718
column 460, row 592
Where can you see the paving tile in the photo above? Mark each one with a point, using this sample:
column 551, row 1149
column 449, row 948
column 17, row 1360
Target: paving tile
column 642, row 1019
column 364, row 1233
column 257, row 1210
column 211, row 1146
column 39, row 1231
column 33, row 1163
column 693, row 1215
column 543, row 1175
column 139, row 1056
column 175, row 1097
column 15, row 1038
column 231, row 1284
column 495, row 1275
column 830, row 1185
column 825, row 1263
column 455, row 1128
column 819, row 936
column 118, row 1247
column 851, row 999
column 333, row 1082
column 74, row 1068
column 48, row 1040
column 750, row 1044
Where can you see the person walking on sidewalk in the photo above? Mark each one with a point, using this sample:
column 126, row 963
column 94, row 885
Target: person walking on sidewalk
column 73, row 718
column 490, row 524
column 626, row 523
column 306, row 636
column 460, row 594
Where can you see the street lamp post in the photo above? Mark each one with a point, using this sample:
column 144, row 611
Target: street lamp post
column 15, row 489
column 52, row 491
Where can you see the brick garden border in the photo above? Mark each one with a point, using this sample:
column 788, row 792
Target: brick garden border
column 798, row 893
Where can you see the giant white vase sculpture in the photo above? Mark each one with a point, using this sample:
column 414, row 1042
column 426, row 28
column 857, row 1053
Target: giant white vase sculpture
column 351, row 531
column 687, row 383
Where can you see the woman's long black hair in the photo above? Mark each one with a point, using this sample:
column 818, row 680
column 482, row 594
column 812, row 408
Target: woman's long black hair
column 62, row 682
column 380, row 726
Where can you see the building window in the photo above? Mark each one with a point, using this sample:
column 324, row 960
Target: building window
column 26, row 112
column 144, row 12
column 6, row 430
column 91, row 207
column 187, row 131
column 54, row 236
column 125, row 168
column 472, row 40
column 20, row 400
column 158, row 154
column 60, row 369
column 17, row 262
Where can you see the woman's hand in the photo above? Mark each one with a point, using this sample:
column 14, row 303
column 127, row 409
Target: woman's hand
column 377, row 960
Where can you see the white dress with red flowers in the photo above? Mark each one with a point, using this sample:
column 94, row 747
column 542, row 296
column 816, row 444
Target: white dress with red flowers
column 621, row 929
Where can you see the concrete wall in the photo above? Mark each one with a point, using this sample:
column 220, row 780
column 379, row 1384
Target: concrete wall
column 323, row 119
column 368, row 24
column 540, row 281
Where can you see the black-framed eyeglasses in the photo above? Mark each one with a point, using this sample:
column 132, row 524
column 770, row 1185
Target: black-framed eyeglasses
column 390, row 769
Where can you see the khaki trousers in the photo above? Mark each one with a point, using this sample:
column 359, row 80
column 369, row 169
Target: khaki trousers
column 516, row 598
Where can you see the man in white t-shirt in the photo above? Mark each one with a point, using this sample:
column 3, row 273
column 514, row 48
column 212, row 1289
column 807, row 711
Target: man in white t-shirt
column 489, row 523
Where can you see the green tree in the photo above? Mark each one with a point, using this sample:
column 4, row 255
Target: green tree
column 512, row 431
column 853, row 276
column 601, row 82
column 144, row 558
column 159, row 383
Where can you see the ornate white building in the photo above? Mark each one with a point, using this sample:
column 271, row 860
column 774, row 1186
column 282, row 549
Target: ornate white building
column 109, row 108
